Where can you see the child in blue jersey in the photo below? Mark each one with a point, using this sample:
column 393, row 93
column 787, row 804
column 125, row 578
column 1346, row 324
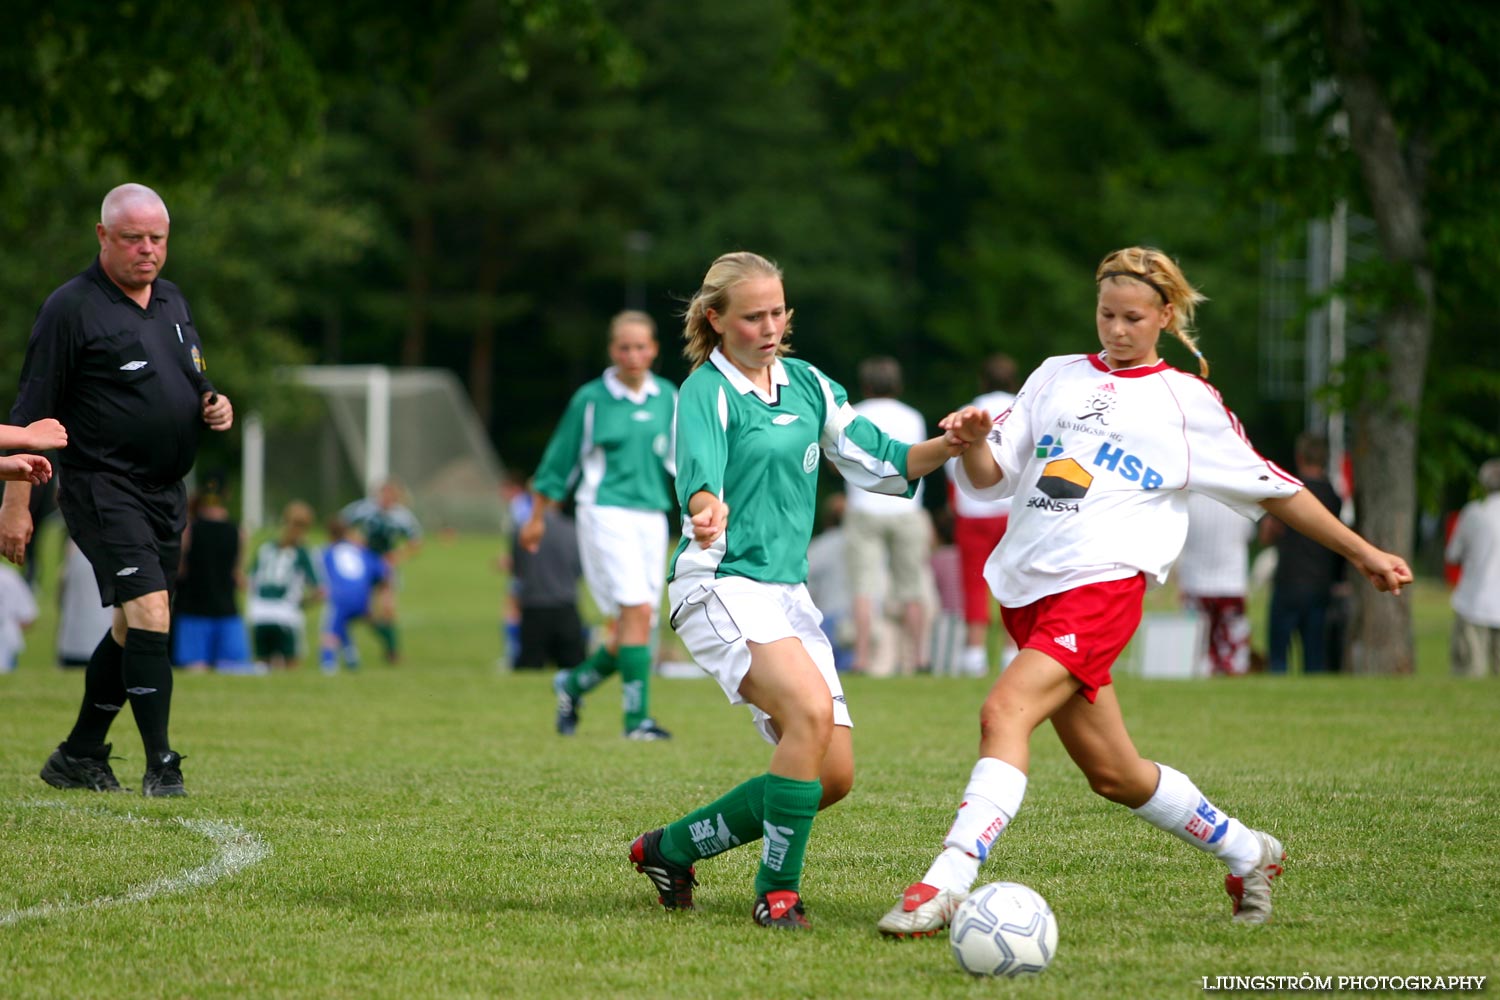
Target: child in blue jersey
column 354, row 575
column 752, row 428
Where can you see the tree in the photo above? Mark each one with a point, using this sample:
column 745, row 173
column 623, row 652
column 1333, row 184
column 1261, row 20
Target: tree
column 1413, row 84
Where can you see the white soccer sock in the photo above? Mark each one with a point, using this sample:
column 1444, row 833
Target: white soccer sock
column 991, row 801
column 1183, row 811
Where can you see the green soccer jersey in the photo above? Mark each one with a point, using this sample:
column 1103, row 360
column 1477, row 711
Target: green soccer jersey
column 280, row 578
column 613, row 446
column 385, row 528
column 760, row 454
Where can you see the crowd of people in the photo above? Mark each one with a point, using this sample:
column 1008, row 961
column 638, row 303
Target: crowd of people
column 1068, row 493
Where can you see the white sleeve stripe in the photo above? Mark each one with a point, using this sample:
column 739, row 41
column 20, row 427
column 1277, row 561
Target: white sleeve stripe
column 835, row 417
column 723, row 409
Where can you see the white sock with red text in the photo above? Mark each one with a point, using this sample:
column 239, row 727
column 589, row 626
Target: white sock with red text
column 991, row 801
column 1183, row 811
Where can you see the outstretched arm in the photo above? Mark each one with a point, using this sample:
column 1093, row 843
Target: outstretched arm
column 965, row 428
column 926, row 456
column 1306, row 513
column 39, row 435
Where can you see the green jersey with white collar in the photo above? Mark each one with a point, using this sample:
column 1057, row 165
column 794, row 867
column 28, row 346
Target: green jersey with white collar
column 760, row 455
column 613, row 445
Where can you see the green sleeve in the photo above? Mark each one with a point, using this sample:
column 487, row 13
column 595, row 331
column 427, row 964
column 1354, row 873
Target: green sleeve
column 864, row 454
column 702, row 439
column 558, row 471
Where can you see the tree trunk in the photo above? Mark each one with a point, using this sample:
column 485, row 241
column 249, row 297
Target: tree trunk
column 1385, row 419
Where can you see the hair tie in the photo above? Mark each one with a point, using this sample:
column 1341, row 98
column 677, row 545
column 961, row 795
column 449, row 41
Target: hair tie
column 1143, row 279
column 1197, row 354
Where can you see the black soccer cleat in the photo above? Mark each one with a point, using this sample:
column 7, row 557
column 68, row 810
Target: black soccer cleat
column 164, row 776
column 90, row 770
column 782, row 909
column 674, row 883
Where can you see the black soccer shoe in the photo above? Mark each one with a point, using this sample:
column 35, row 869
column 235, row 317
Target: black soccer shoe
column 781, row 909
column 90, row 770
column 164, row 776
column 674, row 883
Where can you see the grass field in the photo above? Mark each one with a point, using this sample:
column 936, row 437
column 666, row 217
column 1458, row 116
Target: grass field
column 420, row 831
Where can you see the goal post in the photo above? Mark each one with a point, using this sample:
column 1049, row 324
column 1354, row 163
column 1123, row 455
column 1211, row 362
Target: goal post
column 370, row 423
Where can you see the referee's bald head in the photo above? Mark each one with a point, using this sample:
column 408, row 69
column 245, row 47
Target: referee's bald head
column 122, row 199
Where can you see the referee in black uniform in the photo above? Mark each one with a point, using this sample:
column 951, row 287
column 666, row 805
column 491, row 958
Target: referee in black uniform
column 114, row 355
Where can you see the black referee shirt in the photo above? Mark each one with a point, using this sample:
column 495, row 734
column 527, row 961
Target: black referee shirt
column 126, row 382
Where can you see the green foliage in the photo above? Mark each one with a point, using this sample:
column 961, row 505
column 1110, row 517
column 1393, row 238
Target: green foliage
column 480, row 184
column 188, row 89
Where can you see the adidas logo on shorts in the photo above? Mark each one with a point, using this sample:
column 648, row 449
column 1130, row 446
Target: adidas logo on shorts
column 1068, row 642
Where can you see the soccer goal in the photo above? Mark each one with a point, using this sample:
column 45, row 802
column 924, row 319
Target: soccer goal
column 363, row 425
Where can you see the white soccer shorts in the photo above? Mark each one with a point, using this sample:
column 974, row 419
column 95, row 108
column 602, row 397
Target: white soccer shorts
column 715, row 619
column 624, row 555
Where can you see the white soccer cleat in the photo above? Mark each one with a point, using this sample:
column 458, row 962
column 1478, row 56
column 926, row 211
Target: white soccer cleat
column 923, row 911
column 1252, row 892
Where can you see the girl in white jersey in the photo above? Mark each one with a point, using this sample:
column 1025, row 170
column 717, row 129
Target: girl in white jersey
column 1099, row 452
column 752, row 427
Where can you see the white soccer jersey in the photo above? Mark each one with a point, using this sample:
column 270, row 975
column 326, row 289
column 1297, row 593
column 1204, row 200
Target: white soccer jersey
column 1100, row 462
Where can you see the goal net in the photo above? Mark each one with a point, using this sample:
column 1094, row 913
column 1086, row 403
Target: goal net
column 364, row 425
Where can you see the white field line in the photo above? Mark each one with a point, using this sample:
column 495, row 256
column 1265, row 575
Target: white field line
column 238, row 849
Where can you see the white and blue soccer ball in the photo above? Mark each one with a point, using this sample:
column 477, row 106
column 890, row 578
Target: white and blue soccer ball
column 1003, row 929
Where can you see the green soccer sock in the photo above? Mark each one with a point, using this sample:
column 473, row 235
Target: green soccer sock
column 790, row 806
column 732, row 819
column 590, row 673
column 635, row 678
column 389, row 640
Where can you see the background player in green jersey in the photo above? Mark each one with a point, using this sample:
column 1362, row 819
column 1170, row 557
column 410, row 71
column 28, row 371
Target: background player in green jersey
column 283, row 580
column 613, row 449
column 752, row 428
column 394, row 534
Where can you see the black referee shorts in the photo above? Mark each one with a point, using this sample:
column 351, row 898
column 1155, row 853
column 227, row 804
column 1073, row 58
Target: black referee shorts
column 131, row 533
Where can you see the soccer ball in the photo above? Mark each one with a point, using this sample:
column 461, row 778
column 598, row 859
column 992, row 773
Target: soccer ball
column 1003, row 929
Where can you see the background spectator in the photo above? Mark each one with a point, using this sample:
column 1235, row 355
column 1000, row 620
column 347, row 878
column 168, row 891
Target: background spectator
column 1302, row 587
column 885, row 532
column 978, row 526
column 208, row 631
column 828, row 580
column 283, row 579
column 1474, row 650
column 82, row 617
column 17, row 612
column 545, row 587
column 1213, row 577
column 392, row 532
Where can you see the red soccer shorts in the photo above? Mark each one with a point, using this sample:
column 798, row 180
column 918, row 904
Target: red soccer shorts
column 1085, row 629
